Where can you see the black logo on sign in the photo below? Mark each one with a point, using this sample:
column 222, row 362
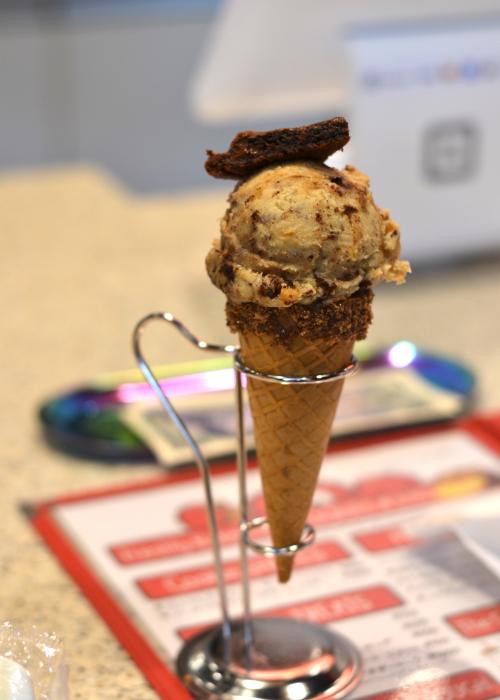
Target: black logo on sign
column 450, row 151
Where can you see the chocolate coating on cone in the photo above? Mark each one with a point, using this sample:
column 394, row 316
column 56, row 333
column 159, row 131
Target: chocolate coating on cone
column 250, row 151
column 341, row 319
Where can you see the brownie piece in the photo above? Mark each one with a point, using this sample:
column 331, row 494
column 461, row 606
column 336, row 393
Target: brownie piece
column 250, row 151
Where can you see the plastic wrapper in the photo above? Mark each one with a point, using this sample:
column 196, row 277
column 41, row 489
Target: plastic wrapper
column 40, row 655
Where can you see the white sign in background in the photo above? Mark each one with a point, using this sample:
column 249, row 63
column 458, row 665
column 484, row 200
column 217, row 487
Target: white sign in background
column 424, row 126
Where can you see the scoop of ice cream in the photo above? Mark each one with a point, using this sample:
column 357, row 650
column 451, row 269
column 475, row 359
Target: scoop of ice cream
column 300, row 232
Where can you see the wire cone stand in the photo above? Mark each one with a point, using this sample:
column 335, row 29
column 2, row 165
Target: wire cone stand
column 260, row 658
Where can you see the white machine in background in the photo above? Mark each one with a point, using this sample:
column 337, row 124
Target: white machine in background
column 420, row 86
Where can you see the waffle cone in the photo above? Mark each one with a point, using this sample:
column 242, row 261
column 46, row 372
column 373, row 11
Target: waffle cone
column 292, row 426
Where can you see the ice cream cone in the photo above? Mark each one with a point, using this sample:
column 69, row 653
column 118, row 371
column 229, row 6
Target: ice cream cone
column 292, row 427
column 301, row 246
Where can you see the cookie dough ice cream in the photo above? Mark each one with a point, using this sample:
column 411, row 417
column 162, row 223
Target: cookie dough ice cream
column 301, row 233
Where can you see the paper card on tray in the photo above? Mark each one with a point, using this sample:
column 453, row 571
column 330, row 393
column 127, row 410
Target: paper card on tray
column 375, row 399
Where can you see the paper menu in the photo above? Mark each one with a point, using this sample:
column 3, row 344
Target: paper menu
column 422, row 609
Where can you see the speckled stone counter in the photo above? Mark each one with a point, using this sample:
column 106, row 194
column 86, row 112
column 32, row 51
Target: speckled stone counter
column 81, row 261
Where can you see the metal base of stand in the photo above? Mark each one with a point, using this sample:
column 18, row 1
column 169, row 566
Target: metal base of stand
column 290, row 660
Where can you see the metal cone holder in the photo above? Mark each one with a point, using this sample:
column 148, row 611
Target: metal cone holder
column 263, row 658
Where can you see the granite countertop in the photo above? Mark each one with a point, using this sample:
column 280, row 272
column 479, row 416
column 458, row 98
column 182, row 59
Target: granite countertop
column 82, row 261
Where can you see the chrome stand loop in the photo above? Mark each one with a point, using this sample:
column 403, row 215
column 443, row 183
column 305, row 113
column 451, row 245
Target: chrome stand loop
column 308, row 537
column 259, row 658
column 197, row 453
column 346, row 371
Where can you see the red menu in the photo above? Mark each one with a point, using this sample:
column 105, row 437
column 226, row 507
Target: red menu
column 387, row 569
